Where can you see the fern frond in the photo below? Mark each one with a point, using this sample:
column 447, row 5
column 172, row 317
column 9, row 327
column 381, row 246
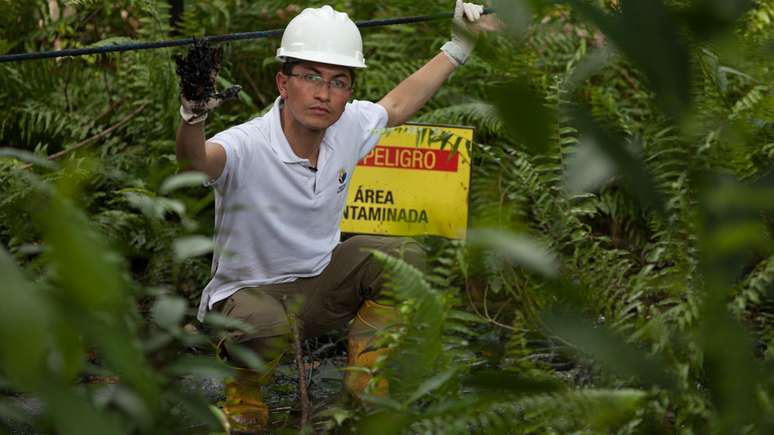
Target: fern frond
column 418, row 352
column 483, row 115
column 587, row 411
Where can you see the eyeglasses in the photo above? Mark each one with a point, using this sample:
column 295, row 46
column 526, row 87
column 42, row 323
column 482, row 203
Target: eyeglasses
column 316, row 80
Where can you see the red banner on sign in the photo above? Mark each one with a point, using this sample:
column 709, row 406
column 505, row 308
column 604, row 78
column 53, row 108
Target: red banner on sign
column 411, row 158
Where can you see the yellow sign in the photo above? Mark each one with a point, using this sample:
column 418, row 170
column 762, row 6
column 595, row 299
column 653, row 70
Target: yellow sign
column 412, row 183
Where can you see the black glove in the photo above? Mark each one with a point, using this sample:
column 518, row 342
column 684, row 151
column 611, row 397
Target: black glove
column 197, row 71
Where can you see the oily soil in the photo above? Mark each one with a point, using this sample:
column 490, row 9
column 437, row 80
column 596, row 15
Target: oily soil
column 198, row 69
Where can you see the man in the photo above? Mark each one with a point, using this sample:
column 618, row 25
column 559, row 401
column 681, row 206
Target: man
column 281, row 183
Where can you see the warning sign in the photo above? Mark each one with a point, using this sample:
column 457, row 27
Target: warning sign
column 414, row 182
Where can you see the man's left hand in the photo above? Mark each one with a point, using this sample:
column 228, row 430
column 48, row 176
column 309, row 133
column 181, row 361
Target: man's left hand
column 466, row 25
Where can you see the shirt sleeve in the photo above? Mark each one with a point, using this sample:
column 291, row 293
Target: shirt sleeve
column 372, row 119
column 235, row 142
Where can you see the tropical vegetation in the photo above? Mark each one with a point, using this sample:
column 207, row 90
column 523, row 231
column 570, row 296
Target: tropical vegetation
column 618, row 273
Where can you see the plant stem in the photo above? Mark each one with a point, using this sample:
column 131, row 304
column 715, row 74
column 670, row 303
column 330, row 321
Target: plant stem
column 303, row 393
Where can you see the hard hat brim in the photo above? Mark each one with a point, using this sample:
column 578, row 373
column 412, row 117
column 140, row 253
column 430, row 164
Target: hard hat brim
column 321, row 57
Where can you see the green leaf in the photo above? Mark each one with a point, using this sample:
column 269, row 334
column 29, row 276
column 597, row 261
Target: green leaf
column 218, row 320
column 588, row 168
column 192, row 246
column 430, row 385
column 23, row 350
column 154, row 208
column 168, row 311
column 339, row 415
column 512, row 382
column 246, row 357
column 466, row 316
column 517, row 15
column 647, row 33
column 186, row 179
column 131, row 404
column 524, row 112
column 203, row 366
column 419, row 352
column 630, row 166
column 120, row 351
column 459, row 329
column 730, row 369
column 73, row 415
column 710, row 18
column 385, row 423
column 520, row 249
column 739, row 236
column 732, row 228
column 601, row 344
column 27, row 157
column 70, row 348
column 199, row 412
column 384, row 402
column 87, row 270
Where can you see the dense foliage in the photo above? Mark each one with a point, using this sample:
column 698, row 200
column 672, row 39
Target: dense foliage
column 618, row 275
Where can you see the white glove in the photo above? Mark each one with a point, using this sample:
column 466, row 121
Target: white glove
column 463, row 35
column 194, row 112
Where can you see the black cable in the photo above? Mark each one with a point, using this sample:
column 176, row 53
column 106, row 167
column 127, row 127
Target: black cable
column 217, row 38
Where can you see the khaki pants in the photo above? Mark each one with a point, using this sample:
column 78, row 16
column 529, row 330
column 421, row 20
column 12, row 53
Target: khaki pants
column 323, row 302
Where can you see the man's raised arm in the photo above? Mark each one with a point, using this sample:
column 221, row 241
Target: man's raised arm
column 197, row 71
column 194, row 152
column 403, row 101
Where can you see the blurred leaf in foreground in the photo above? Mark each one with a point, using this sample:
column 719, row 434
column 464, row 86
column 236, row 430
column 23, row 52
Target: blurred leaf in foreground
column 517, row 15
column 192, row 246
column 633, row 170
column 522, row 250
column 98, row 304
column 168, row 311
column 186, row 179
column 708, row 18
column 505, row 382
column 525, row 113
column 602, row 345
column 23, row 349
column 647, row 33
column 27, row 157
column 413, row 360
column 24, row 355
column 733, row 233
column 588, row 168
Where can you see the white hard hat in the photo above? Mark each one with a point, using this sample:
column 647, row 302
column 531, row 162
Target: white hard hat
column 322, row 35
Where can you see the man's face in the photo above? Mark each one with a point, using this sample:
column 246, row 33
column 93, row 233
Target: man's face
column 315, row 94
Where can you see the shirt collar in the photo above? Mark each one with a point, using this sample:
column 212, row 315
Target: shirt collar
column 279, row 143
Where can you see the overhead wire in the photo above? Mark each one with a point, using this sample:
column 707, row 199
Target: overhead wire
column 72, row 52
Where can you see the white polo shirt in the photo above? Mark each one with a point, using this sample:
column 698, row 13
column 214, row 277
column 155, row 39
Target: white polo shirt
column 275, row 219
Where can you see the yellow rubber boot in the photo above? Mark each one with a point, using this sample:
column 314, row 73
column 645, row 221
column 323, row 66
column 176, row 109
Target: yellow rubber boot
column 371, row 318
column 244, row 408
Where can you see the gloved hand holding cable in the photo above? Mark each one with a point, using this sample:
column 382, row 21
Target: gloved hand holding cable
column 404, row 100
column 198, row 71
column 464, row 34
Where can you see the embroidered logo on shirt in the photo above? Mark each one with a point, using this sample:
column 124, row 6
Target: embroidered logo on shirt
column 342, row 180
